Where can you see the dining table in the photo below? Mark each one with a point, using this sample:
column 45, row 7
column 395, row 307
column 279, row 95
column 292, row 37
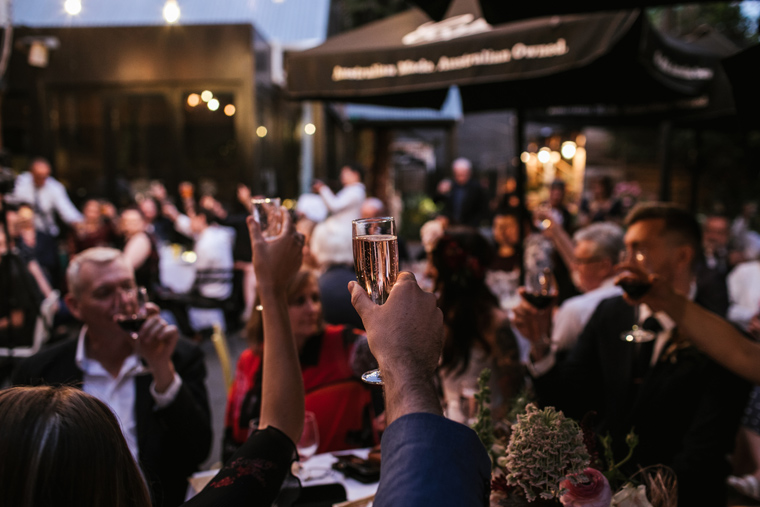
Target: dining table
column 315, row 471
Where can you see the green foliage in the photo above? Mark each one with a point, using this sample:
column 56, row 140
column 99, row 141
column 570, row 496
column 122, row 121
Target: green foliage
column 544, row 449
column 615, row 477
column 483, row 425
column 726, row 18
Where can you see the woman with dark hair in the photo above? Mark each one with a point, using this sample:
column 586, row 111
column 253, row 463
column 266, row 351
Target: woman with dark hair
column 59, row 439
column 329, row 355
column 477, row 331
column 141, row 249
column 97, row 228
column 602, row 207
column 60, row 446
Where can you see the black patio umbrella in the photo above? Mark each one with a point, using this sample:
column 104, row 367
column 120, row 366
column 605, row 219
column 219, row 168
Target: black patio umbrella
column 407, row 59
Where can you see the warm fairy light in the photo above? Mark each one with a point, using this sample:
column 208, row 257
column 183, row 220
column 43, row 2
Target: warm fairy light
column 261, row 131
column 310, row 129
column 213, row 104
column 525, row 157
column 171, row 11
column 229, row 110
column 193, row 99
column 544, row 155
column 72, row 7
column 568, row 149
column 206, row 95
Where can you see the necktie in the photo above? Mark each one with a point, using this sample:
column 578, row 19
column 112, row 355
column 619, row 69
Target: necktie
column 644, row 350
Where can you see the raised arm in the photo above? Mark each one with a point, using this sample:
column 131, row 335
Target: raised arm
column 419, row 445
column 406, row 337
column 275, row 262
column 715, row 336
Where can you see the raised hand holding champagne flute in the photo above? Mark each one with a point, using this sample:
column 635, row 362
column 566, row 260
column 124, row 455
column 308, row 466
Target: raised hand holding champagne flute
column 376, row 263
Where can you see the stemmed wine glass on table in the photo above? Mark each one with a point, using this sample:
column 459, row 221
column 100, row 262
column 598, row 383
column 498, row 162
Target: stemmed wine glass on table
column 133, row 313
column 635, row 287
column 375, row 246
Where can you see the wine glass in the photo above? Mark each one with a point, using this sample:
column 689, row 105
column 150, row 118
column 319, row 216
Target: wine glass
column 266, row 211
column 635, row 287
column 376, row 264
column 541, row 292
column 133, row 314
column 309, row 442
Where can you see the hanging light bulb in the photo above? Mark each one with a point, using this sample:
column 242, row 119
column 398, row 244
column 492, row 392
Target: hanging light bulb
column 72, row 7
column 171, row 11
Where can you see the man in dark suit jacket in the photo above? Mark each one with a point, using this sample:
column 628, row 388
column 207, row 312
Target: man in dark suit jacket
column 466, row 202
column 152, row 381
column 683, row 406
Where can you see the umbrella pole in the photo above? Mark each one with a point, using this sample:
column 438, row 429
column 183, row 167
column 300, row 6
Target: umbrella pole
column 520, row 180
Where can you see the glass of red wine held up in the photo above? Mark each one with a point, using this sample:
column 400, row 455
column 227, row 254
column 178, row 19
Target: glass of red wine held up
column 635, row 287
column 541, row 292
column 133, row 313
column 376, row 263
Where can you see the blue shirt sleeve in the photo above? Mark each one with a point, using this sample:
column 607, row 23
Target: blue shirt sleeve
column 430, row 460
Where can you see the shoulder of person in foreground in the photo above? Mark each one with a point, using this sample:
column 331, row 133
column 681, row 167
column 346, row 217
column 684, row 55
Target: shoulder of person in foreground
column 430, row 460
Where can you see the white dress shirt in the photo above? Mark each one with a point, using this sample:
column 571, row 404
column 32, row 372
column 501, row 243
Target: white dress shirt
column 743, row 283
column 213, row 250
column 346, row 204
column 573, row 315
column 119, row 392
column 49, row 198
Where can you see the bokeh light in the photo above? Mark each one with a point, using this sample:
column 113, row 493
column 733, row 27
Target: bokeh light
column 171, row 11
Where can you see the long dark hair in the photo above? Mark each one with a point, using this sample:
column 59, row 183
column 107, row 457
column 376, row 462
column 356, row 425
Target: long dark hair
column 461, row 258
column 60, row 446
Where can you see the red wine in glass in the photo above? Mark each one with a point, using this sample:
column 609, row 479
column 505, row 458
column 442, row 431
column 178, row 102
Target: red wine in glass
column 635, row 288
column 539, row 301
column 132, row 323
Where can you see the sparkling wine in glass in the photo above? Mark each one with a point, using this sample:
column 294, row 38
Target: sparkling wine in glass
column 309, row 442
column 635, row 288
column 267, row 212
column 133, row 313
column 376, row 263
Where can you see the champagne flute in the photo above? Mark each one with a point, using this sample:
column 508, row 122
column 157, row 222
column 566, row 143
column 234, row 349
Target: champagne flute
column 635, row 288
column 376, row 264
column 133, row 313
column 266, row 211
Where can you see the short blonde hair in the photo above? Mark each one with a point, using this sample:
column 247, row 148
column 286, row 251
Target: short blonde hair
column 96, row 255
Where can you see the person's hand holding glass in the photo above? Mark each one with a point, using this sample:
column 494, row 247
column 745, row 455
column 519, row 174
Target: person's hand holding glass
column 267, row 212
column 376, row 263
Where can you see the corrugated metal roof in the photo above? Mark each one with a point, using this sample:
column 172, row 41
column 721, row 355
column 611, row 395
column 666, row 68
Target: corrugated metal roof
column 451, row 110
column 289, row 22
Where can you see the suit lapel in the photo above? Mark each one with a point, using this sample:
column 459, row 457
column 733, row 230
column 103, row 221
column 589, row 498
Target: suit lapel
column 143, row 408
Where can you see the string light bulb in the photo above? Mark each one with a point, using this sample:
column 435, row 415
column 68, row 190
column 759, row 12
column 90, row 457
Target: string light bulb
column 171, row 11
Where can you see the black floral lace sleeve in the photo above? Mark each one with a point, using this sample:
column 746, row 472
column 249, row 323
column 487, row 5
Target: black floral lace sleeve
column 255, row 475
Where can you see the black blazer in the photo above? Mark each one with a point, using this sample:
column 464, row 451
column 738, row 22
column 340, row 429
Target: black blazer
column 685, row 411
column 172, row 441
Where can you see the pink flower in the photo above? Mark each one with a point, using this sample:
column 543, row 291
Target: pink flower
column 594, row 492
